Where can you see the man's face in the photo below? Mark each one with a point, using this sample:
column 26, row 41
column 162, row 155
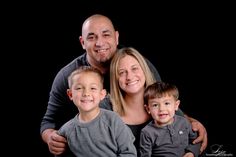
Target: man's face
column 99, row 39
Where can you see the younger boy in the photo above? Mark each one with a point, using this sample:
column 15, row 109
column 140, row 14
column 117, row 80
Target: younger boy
column 94, row 131
column 167, row 135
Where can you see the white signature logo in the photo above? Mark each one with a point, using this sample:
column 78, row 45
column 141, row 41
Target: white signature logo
column 217, row 150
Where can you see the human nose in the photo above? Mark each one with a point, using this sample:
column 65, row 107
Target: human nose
column 129, row 75
column 161, row 107
column 100, row 41
column 86, row 92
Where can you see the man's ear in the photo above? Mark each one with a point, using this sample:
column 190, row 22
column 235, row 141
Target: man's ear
column 117, row 37
column 81, row 42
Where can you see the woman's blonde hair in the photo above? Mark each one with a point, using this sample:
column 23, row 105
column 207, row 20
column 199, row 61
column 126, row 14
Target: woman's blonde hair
column 117, row 95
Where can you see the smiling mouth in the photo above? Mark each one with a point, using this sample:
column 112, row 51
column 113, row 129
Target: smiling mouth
column 101, row 50
column 86, row 101
column 132, row 83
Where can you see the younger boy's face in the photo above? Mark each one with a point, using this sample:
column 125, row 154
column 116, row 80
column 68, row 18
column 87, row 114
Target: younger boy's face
column 86, row 91
column 163, row 109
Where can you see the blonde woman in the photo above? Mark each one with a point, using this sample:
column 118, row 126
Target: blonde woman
column 129, row 76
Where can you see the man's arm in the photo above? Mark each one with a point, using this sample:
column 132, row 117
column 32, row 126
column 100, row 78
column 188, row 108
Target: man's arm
column 202, row 133
column 59, row 110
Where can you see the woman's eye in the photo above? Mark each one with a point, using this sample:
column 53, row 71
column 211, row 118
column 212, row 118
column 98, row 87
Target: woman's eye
column 121, row 73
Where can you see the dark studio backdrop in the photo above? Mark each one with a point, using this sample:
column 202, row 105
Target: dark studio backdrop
column 190, row 46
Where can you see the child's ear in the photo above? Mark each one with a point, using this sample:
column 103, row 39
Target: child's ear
column 177, row 105
column 103, row 93
column 147, row 109
column 69, row 93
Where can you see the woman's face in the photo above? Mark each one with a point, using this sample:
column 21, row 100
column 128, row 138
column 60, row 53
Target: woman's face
column 131, row 77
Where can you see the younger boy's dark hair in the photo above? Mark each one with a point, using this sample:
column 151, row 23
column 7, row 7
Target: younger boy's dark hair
column 160, row 89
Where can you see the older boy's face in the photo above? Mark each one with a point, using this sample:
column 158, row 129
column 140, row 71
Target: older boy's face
column 163, row 109
column 86, row 91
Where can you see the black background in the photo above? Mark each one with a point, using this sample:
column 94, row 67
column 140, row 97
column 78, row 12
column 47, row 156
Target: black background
column 191, row 45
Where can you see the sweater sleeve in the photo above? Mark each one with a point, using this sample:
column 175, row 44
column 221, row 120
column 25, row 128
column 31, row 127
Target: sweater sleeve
column 55, row 106
column 60, row 108
column 194, row 148
column 125, row 139
column 145, row 144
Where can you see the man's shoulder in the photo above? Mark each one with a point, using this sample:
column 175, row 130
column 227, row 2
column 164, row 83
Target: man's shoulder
column 74, row 64
column 79, row 61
